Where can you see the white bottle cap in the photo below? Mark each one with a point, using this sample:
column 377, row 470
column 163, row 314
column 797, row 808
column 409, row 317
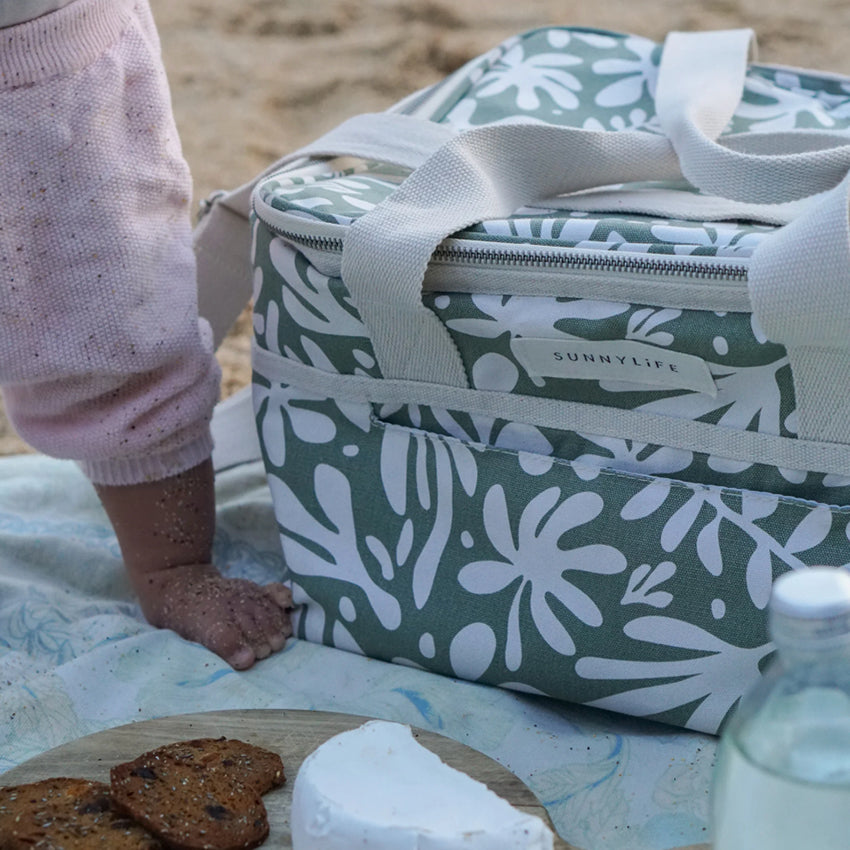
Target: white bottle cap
column 811, row 606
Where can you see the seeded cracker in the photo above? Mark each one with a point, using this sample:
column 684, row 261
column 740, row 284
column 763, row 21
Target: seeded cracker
column 204, row 793
column 71, row 814
column 260, row 768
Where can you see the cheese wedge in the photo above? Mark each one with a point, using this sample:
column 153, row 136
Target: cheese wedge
column 375, row 787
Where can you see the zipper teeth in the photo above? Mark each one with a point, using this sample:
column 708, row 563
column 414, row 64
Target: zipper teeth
column 319, row 243
column 601, row 262
column 606, row 262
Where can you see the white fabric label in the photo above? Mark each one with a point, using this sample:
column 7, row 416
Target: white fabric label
column 614, row 360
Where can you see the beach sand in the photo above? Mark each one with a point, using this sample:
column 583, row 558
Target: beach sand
column 254, row 79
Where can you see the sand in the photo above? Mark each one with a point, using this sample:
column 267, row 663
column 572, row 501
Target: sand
column 253, row 79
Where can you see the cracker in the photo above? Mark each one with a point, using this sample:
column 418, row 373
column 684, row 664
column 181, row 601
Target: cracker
column 72, row 814
column 203, row 794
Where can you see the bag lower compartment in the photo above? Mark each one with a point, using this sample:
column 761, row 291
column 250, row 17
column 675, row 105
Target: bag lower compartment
column 637, row 593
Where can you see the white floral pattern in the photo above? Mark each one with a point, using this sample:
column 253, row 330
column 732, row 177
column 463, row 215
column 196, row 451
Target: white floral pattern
column 527, row 76
column 796, row 107
column 542, row 524
column 636, row 75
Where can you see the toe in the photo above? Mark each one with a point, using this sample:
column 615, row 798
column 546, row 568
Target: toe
column 280, row 594
column 262, row 650
column 278, row 641
column 242, row 659
column 265, row 626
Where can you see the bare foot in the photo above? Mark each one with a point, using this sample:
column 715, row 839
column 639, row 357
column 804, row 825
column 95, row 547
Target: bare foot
column 237, row 619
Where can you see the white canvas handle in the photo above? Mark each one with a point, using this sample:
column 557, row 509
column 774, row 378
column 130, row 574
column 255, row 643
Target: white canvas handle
column 799, row 283
column 483, row 173
column 489, row 172
column 700, row 83
column 799, row 280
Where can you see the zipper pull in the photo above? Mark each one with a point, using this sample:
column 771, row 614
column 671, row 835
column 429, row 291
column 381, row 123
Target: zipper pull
column 205, row 206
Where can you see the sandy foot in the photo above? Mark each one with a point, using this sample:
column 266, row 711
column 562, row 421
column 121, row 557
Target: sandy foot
column 241, row 621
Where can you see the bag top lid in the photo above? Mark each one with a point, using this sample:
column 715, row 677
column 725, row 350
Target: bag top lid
column 594, row 80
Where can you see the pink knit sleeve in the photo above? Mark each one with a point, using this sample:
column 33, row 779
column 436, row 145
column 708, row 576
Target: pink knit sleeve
column 102, row 356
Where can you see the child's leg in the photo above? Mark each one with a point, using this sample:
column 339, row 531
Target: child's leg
column 102, row 356
column 165, row 529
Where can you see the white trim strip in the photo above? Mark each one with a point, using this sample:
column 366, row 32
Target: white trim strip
column 748, row 446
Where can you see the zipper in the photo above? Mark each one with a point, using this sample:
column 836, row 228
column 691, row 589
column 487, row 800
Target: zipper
column 547, row 258
column 586, row 259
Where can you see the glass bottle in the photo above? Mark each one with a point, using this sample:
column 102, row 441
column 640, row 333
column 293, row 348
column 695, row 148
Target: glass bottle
column 782, row 778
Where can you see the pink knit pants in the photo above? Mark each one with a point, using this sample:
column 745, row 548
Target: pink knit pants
column 102, row 356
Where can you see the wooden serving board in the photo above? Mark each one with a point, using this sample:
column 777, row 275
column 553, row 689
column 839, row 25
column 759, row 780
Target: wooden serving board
column 292, row 734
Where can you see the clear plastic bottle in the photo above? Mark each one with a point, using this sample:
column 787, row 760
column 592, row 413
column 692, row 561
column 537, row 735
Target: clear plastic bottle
column 782, row 779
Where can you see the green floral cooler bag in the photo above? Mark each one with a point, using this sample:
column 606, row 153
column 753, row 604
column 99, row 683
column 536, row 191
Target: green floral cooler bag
column 551, row 369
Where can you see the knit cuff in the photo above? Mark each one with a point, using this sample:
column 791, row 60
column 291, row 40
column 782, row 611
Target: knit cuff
column 140, row 469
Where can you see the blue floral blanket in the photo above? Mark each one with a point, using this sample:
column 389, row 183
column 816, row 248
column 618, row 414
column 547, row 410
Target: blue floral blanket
column 76, row 657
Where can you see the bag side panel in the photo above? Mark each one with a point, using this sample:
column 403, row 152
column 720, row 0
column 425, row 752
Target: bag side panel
column 625, row 591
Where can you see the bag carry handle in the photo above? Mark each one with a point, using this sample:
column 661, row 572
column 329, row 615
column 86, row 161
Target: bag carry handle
column 484, row 173
column 700, row 83
column 799, row 280
column 799, row 285
column 489, row 172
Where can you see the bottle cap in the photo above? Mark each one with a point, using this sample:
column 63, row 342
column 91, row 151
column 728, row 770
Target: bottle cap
column 811, row 606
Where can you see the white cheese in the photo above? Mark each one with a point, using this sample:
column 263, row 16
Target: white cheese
column 376, row 787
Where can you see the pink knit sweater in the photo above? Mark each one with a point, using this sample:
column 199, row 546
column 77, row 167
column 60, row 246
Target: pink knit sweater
column 102, row 356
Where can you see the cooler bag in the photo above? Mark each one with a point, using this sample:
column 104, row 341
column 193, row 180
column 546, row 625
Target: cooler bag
column 551, row 370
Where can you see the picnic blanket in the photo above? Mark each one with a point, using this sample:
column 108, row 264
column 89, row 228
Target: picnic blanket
column 77, row 657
